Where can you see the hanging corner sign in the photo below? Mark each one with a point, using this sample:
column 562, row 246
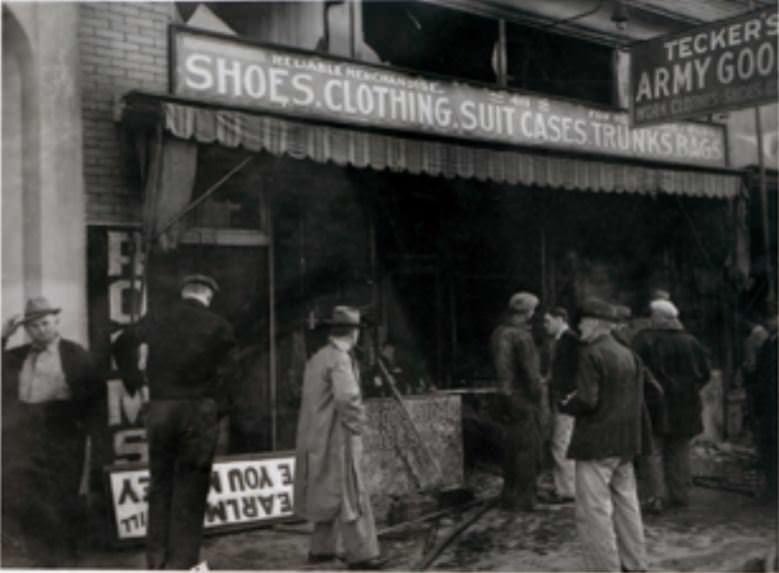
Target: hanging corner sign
column 723, row 65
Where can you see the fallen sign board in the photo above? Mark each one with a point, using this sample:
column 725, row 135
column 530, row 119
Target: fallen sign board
column 722, row 65
column 246, row 491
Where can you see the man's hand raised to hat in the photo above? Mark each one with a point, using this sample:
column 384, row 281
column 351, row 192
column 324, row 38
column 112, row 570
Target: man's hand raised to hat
column 11, row 325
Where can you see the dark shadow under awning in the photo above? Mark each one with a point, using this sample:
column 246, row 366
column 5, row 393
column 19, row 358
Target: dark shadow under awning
column 376, row 150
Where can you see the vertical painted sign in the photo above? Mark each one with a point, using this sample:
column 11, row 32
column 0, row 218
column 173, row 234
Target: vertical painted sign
column 116, row 297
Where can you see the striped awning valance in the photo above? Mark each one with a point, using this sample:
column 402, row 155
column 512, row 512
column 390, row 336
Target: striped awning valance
column 365, row 149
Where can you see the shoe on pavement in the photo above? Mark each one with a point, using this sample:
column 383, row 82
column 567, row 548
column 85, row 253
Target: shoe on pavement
column 654, row 506
column 369, row 564
column 321, row 557
column 555, row 499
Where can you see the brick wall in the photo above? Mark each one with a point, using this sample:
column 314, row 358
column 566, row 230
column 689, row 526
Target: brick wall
column 123, row 46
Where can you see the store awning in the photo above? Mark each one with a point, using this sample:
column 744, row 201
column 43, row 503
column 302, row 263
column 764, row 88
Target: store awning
column 368, row 149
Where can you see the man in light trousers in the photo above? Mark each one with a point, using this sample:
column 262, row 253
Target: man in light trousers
column 607, row 436
column 562, row 381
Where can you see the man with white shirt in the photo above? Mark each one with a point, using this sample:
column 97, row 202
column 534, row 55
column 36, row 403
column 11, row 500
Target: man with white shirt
column 50, row 390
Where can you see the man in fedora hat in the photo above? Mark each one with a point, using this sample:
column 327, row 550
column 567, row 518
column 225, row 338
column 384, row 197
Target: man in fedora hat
column 329, row 487
column 519, row 380
column 188, row 349
column 607, row 435
column 51, row 387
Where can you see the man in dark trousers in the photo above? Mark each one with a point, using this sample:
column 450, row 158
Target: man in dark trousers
column 186, row 347
column 519, row 381
column 607, row 435
column 562, row 381
column 681, row 365
column 51, row 388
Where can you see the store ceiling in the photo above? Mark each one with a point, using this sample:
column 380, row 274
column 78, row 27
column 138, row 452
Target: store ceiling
column 592, row 19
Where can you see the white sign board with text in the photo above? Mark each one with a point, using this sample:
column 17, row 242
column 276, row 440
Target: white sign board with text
column 245, row 491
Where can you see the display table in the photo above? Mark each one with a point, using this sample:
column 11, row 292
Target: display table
column 388, row 444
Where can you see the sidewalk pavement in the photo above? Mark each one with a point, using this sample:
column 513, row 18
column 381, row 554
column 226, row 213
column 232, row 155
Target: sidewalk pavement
column 720, row 531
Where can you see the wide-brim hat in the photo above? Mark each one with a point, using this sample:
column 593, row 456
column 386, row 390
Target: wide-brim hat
column 594, row 307
column 204, row 280
column 38, row 307
column 344, row 316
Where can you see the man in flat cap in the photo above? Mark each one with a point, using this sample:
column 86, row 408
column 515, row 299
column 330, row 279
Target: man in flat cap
column 51, row 388
column 187, row 349
column 329, row 487
column 607, row 435
column 681, row 365
column 518, row 375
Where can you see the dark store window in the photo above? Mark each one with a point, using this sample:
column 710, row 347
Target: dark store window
column 554, row 64
column 432, row 39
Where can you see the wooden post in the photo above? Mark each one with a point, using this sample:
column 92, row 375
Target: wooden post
column 272, row 317
column 764, row 206
column 374, row 273
column 544, row 289
column 727, row 363
column 501, row 56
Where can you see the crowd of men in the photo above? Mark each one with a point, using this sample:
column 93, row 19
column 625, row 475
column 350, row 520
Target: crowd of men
column 620, row 400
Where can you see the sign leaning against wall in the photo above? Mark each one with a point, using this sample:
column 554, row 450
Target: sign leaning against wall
column 720, row 66
column 246, row 491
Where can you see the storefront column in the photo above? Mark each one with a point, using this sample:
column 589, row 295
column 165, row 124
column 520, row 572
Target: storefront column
column 51, row 232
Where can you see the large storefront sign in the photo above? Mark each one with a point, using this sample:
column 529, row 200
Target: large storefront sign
column 225, row 70
column 245, row 491
column 116, row 298
column 716, row 67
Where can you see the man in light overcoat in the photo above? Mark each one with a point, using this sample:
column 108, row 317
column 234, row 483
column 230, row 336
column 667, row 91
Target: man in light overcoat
column 329, row 487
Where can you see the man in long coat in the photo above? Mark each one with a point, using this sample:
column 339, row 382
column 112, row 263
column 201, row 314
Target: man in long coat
column 329, row 487
column 607, row 435
column 519, row 381
column 681, row 365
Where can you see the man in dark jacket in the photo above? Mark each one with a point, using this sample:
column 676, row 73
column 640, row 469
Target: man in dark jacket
column 681, row 365
column 51, row 388
column 519, row 380
column 562, row 381
column 607, row 436
column 651, row 487
column 186, row 347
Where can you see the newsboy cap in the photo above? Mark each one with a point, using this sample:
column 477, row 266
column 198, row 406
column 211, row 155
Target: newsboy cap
column 204, row 280
column 344, row 316
column 593, row 307
column 664, row 309
column 38, row 307
column 523, row 302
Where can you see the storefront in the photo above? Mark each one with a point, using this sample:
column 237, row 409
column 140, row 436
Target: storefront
column 424, row 201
